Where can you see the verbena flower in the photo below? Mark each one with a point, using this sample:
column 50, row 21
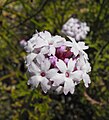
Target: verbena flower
column 41, row 74
column 76, row 29
column 55, row 63
column 65, row 76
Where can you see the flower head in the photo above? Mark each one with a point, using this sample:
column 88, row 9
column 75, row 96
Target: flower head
column 55, row 63
column 76, row 29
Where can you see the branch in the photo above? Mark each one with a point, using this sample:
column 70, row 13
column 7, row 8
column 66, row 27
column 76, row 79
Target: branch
column 7, row 76
column 91, row 100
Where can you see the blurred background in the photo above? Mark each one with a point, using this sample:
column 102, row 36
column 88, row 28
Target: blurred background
column 18, row 21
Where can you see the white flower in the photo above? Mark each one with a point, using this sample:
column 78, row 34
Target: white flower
column 40, row 58
column 28, row 47
column 40, row 39
column 77, row 48
column 41, row 75
column 52, row 44
column 37, row 41
column 57, row 64
column 86, row 79
column 69, row 77
column 73, row 45
column 30, row 58
column 65, row 77
column 83, row 64
column 45, row 42
column 76, row 29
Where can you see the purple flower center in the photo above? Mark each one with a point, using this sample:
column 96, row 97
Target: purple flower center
column 67, row 74
column 43, row 74
column 63, row 52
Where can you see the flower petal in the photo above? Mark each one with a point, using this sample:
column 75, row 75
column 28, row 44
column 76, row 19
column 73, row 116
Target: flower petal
column 40, row 58
column 34, row 39
column 45, row 65
column 44, row 50
column 58, row 79
column 86, row 79
column 44, row 84
column 85, row 55
column 51, row 73
column 29, row 47
column 82, row 45
column 45, row 35
column 61, row 65
column 77, row 75
column 71, row 64
column 69, row 86
column 40, row 42
column 57, row 38
column 75, row 51
column 30, row 58
column 52, row 50
column 59, row 89
column 33, row 68
column 68, row 44
column 34, row 81
column 58, row 41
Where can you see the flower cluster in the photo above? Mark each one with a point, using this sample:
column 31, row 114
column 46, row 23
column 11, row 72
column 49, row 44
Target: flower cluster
column 55, row 63
column 76, row 29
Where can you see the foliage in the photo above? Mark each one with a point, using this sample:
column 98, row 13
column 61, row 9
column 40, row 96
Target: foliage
column 18, row 20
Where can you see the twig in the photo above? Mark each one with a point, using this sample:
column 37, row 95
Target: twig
column 7, row 76
column 91, row 100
